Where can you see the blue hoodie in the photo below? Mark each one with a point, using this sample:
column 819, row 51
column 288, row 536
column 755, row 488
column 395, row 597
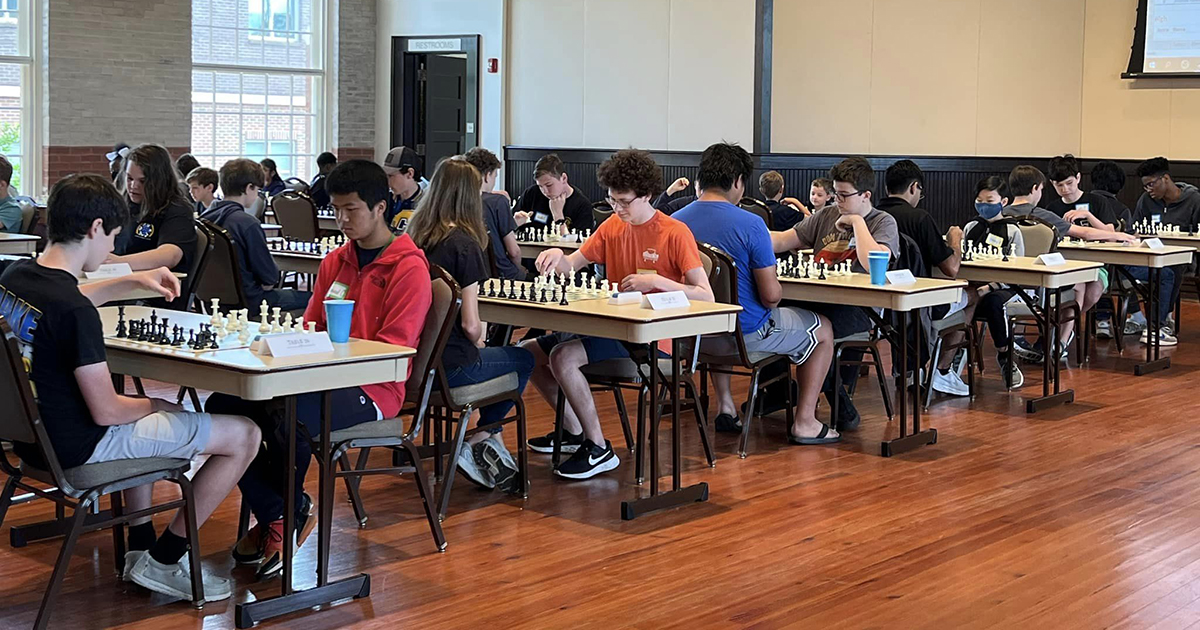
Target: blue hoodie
column 257, row 266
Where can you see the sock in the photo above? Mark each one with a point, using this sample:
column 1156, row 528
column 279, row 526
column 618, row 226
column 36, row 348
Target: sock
column 142, row 537
column 169, row 549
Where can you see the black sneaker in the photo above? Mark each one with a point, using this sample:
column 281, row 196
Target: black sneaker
column 1027, row 351
column 588, row 461
column 545, row 444
column 728, row 424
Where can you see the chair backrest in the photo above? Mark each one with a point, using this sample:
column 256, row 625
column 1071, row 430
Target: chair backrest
column 443, row 312
column 297, row 215
column 20, row 421
column 600, row 212
column 260, row 204
column 28, row 216
column 910, row 257
column 223, row 276
column 204, row 248
column 296, row 184
column 1038, row 237
column 757, row 207
column 722, row 273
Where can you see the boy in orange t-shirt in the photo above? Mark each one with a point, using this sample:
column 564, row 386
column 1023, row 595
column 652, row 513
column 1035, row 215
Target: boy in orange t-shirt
column 643, row 250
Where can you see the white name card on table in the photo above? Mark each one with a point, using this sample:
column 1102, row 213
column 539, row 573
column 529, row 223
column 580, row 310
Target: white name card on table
column 667, row 299
column 626, row 297
column 103, row 272
column 901, row 277
column 1154, row 243
column 295, row 344
column 1052, row 260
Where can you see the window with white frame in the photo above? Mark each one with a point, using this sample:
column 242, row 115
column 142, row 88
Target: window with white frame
column 258, row 80
column 18, row 75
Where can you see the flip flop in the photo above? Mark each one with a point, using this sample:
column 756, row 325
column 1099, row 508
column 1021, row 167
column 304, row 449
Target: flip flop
column 822, row 438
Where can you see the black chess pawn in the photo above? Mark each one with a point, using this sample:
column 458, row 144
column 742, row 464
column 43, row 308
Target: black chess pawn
column 563, row 301
column 491, row 288
column 522, row 292
column 821, row 266
column 213, row 345
column 542, row 298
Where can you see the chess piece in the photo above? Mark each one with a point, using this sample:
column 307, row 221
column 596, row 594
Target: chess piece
column 263, row 326
column 122, row 330
column 275, row 327
column 1007, row 249
column 298, row 327
column 822, row 269
column 312, row 327
column 542, row 299
column 244, row 336
column 287, row 323
column 216, row 310
column 563, row 301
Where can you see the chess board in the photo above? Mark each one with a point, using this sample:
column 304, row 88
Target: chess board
column 318, row 247
column 808, row 267
column 543, row 290
column 160, row 333
column 550, row 236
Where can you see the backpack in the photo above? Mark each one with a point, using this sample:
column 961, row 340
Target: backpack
column 982, row 229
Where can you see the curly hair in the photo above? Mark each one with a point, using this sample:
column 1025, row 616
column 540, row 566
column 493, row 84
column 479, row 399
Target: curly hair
column 631, row 170
column 483, row 160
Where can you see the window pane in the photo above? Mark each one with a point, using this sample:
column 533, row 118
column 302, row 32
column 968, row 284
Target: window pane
column 10, row 117
column 10, row 39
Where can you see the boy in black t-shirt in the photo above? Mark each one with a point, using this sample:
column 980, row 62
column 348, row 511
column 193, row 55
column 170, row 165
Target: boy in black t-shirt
column 553, row 201
column 497, row 215
column 86, row 420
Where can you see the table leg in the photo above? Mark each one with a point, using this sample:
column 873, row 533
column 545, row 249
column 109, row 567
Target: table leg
column 289, row 600
column 1154, row 361
column 918, row 438
column 678, row 495
column 1050, row 369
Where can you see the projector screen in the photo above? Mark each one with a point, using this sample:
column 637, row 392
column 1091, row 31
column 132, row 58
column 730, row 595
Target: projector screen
column 1172, row 36
column 1166, row 40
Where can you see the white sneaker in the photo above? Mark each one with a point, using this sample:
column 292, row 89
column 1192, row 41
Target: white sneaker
column 950, row 383
column 1165, row 337
column 1104, row 329
column 1133, row 326
column 471, row 470
column 131, row 558
column 175, row 580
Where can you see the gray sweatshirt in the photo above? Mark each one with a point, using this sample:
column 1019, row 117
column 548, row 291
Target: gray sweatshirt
column 1184, row 212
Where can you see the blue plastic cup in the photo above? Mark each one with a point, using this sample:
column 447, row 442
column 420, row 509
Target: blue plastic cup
column 338, row 314
column 879, row 265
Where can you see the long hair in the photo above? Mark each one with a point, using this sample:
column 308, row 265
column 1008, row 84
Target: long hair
column 162, row 187
column 453, row 200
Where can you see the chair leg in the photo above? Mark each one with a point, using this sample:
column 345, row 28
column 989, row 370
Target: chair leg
column 749, row 413
column 243, row 519
column 137, row 386
column 883, row 390
column 790, row 414
column 1119, row 323
column 452, row 464
column 970, row 350
column 560, row 410
column 701, row 423
column 522, row 448
column 638, row 452
column 435, row 419
column 180, row 395
column 837, row 385
column 360, row 512
column 193, row 534
column 933, row 366
column 10, row 488
column 118, row 531
column 435, row 524
column 624, row 415
column 195, row 399
column 60, row 567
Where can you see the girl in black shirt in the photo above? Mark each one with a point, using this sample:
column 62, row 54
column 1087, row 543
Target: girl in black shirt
column 163, row 233
column 448, row 225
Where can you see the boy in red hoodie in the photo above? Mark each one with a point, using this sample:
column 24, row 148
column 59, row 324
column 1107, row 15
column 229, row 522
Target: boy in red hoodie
column 387, row 276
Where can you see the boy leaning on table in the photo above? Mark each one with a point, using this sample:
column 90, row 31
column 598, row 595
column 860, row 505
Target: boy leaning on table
column 62, row 340
column 387, row 277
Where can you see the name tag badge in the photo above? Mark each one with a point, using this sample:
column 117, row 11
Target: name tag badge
column 651, row 272
column 1052, row 260
column 1156, row 218
column 337, row 291
column 666, row 300
column 852, row 243
column 994, row 240
column 1086, row 207
column 541, row 217
column 296, row 344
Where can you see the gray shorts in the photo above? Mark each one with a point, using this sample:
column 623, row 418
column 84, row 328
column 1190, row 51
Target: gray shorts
column 789, row 331
column 176, row 434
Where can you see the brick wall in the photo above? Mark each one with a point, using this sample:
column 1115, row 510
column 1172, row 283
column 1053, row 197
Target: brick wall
column 63, row 161
column 356, row 78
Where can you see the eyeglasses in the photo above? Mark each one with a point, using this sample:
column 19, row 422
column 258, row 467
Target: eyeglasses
column 844, row 196
column 1150, row 184
column 620, row 203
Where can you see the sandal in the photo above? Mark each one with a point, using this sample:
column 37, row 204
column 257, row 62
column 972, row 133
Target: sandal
column 822, row 438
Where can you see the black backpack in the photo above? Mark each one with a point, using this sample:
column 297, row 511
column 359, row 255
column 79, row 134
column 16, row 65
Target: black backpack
column 982, row 229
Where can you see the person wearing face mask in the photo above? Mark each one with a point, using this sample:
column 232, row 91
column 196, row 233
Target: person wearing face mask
column 991, row 196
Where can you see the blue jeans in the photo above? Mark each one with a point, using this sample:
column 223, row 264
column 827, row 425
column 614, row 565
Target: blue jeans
column 286, row 299
column 1165, row 291
column 493, row 363
column 265, row 481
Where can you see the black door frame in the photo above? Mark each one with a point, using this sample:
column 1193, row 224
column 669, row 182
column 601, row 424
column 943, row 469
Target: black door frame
column 403, row 94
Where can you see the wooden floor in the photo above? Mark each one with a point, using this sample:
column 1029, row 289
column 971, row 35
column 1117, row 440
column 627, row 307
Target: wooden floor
column 1087, row 516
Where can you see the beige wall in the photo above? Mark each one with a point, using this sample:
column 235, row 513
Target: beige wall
column 971, row 77
column 655, row 74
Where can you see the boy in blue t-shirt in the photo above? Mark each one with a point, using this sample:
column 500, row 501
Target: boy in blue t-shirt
column 804, row 336
column 10, row 210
